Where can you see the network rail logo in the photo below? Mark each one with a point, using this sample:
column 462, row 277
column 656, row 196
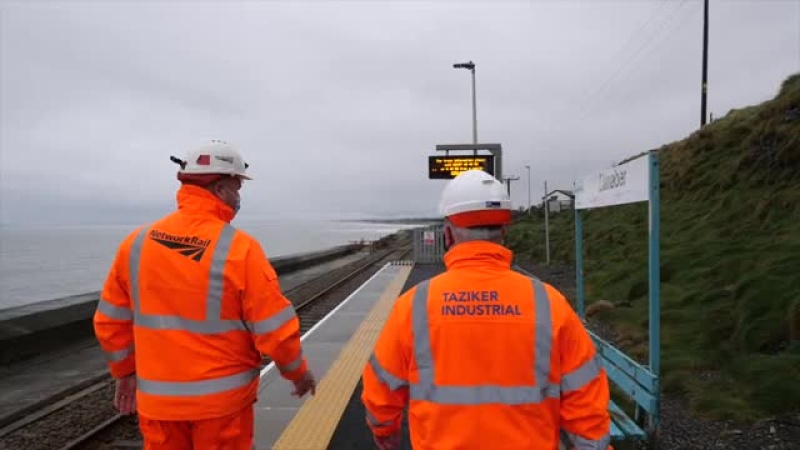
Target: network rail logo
column 192, row 247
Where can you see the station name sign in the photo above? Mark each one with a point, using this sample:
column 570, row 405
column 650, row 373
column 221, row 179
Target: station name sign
column 448, row 167
column 626, row 183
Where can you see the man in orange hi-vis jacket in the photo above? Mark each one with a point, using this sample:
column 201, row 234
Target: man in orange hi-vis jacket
column 483, row 356
column 188, row 307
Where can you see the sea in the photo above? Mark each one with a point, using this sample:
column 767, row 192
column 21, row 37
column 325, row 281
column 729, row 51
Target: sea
column 39, row 263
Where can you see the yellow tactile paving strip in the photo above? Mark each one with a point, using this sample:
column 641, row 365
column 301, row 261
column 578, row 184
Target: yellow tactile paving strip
column 314, row 424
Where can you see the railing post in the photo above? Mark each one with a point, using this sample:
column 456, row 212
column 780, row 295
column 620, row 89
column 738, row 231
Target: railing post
column 655, row 285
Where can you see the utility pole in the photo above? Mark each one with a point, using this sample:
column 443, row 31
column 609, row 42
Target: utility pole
column 528, row 167
column 508, row 181
column 546, row 224
column 704, row 91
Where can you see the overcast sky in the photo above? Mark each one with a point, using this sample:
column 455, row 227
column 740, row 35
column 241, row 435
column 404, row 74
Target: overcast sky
column 336, row 105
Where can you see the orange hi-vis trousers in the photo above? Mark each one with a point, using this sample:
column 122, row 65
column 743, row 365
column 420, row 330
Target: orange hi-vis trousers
column 231, row 432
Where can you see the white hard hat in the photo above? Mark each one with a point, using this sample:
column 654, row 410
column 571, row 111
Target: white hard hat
column 474, row 198
column 213, row 158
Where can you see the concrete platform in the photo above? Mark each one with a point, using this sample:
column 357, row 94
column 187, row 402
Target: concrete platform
column 351, row 432
column 326, row 346
column 28, row 382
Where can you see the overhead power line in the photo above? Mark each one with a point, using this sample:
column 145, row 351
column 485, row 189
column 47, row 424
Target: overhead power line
column 585, row 104
column 622, row 67
column 634, row 37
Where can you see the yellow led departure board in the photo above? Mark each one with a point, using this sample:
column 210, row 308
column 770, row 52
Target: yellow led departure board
column 447, row 167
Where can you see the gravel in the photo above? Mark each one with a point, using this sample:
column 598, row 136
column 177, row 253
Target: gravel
column 679, row 429
column 58, row 428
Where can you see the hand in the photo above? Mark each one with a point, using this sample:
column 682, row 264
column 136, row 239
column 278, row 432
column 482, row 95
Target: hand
column 305, row 384
column 391, row 442
column 125, row 395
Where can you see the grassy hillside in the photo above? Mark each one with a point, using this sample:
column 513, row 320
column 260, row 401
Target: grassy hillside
column 730, row 255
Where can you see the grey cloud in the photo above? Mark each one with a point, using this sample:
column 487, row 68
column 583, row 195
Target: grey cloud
column 337, row 105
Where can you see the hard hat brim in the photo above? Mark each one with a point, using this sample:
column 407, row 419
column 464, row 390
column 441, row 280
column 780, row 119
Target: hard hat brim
column 485, row 218
column 204, row 179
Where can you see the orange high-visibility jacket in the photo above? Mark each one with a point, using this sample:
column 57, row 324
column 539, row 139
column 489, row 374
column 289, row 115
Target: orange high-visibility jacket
column 199, row 303
column 486, row 357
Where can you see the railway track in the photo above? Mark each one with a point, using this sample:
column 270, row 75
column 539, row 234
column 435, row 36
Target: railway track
column 86, row 419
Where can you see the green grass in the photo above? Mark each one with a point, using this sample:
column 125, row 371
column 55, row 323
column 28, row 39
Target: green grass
column 730, row 262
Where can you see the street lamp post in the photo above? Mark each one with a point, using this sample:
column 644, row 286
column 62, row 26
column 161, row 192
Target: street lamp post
column 546, row 224
column 471, row 66
column 529, row 188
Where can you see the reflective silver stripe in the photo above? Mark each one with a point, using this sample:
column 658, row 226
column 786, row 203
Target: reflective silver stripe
column 114, row 312
column 292, row 366
column 581, row 376
column 384, row 376
column 544, row 333
column 375, row 423
column 480, row 395
column 216, row 276
column 422, row 390
column 427, row 390
column 213, row 323
column 159, row 322
column 190, row 388
column 134, row 263
column 119, row 355
column 273, row 323
column 582, row 443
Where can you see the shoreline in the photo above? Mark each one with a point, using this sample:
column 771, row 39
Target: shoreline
column 421, row 222
column 281, row 264
column 26, row 330
column 71, row 273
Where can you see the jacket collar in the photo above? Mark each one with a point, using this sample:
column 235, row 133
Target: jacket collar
column 478, row 254
column 196, row 200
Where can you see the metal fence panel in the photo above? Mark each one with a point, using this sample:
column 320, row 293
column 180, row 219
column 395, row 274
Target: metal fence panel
column 429, row 245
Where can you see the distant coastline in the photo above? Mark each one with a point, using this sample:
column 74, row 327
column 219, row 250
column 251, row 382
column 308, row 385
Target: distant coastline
column 400, row 221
